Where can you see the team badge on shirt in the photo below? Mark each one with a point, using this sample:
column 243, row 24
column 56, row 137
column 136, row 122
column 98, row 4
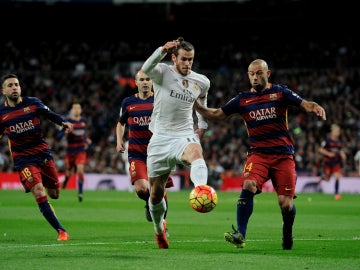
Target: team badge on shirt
column 273, row 96
column 196, row 86
column 27, row 110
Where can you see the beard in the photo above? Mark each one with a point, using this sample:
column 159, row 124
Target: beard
column 14, row 97
column 259, row 87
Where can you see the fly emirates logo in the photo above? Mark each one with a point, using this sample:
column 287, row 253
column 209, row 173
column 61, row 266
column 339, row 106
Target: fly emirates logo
column 22, row 127
column 185, row 96
column 263, row 114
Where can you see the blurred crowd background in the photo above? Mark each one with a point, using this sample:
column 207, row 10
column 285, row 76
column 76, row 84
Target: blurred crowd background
column 89, row 53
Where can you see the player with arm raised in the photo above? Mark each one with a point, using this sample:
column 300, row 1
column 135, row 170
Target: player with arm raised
column 174, row 140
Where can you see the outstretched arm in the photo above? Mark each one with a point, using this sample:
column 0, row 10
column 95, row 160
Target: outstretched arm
column 311, row 106
column 210, row 113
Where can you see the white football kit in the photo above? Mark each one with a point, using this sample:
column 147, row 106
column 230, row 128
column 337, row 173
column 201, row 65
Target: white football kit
column 172, row 122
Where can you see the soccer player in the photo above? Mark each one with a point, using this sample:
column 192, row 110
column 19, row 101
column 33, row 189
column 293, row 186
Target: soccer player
column 333, row 157
column 264, row 110
column 77, row 143
column 20, row 121
column 174, row 140
column 135, row 113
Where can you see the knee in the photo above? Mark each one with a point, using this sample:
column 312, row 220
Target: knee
column 249, row 185
column 53, row 193
column 141, row 186
column 285, row 203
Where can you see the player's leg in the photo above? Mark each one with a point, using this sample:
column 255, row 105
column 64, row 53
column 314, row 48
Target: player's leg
column 79, row 164
column 244, row 210
column 337, row 175
column 157, row 207
column 32, row 179
column 69, row 167
column 288, row 212
column 139, row 179
column 255, row 173
column 169, row 184
column 159, row 166
column 284, row 181
column 193, row 155
column 80, row 181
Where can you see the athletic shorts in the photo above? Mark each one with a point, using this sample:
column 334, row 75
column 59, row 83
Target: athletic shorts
column 329, row 170
column 280, row 169
column 71, row 160
column 45, row 173
column 138, row 170
column 164, row 153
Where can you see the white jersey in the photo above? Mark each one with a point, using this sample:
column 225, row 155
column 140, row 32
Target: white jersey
column 174, row 97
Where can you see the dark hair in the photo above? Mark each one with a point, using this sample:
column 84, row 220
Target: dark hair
column 185, row 45
column 71, row 104
column 8, row 76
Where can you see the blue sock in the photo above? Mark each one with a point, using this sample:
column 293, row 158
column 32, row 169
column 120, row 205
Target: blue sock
column 245, row 208
column 288, row 221
column 336, row 186
column 49, row 214
column 80, row 186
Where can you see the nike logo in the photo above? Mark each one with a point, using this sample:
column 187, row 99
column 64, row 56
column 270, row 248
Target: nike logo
column 287, row 189
column 249, row 100
column 132, row 107
column 5, row 117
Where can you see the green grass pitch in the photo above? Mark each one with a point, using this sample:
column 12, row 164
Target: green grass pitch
column 108, row 230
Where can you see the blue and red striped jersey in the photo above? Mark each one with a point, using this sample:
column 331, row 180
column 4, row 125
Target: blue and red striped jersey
column 333, row 146
column 76, row 140
column 136, row 114
column 265, row 115
column 22, row 126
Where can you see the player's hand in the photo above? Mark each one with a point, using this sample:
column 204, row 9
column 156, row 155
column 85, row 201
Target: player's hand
column 319, row 111
column 68, row 127
column 120, row 148
column 200, row 132
column 170, row 45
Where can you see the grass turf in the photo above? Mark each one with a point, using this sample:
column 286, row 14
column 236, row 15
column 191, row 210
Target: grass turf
column 108, row 230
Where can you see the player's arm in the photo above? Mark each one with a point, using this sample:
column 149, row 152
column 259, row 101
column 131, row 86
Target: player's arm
column 343, row 155
column 149, row 66
column 324, row 151
column 210, row 113
column 311, row 106
column 202, row 121
column 120, row 144
column 52, row 116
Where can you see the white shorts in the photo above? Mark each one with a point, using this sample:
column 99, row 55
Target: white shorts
column 165, row 152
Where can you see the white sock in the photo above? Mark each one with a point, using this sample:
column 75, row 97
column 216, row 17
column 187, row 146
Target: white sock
column 199, row 172
column 157, row 212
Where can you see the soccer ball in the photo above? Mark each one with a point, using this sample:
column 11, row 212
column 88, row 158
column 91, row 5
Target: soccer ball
column 203, row 198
